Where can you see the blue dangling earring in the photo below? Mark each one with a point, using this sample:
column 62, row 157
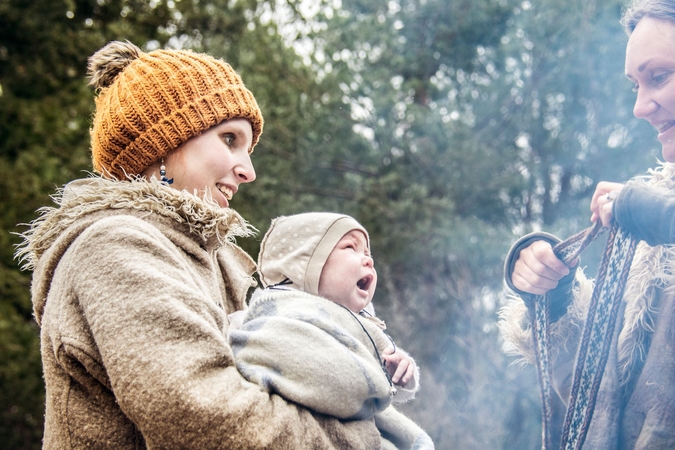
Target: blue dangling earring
column 162, row 174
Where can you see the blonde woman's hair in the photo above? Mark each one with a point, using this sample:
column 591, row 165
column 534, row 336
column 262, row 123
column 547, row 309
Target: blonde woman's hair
column 639, row 9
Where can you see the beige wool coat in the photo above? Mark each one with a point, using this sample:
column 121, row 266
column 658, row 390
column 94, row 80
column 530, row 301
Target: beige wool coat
column 132, row 285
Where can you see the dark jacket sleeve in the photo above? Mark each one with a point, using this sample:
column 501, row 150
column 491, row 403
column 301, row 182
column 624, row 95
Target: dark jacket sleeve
column 647, row 213
column 560, row 296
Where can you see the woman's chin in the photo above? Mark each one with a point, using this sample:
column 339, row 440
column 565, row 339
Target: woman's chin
column 668, row 152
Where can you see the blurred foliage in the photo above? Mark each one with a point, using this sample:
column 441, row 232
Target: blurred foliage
column 446, row 128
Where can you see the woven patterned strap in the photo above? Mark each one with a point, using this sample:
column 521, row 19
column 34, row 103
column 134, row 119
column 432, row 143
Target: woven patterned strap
column 569, row 249
column 596, row 339
column 540, row 335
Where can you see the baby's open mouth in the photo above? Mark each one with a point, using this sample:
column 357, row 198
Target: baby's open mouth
column 364, row 283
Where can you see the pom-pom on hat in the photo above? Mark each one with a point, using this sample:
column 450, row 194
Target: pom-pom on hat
column 297, row 247
column 150, row 103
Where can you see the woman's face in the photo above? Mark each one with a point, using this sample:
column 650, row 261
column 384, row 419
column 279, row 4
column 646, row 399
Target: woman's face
column 213, row 164
column 650, row 65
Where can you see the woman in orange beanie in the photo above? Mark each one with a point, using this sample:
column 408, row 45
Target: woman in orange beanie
column 136, row 270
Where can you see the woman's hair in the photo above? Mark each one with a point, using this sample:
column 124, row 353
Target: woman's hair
column 148, row 104
column 639, row 9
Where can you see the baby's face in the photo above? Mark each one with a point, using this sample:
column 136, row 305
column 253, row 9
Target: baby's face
column 349, row 276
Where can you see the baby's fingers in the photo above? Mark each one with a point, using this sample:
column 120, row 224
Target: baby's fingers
column 401, row 372
column 388, row 351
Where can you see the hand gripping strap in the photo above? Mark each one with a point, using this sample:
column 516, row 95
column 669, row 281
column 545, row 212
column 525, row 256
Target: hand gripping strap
column 596, row 339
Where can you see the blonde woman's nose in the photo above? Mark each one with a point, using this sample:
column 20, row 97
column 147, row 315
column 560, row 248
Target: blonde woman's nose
column 644, row 105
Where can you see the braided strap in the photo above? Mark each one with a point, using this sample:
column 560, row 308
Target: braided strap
column 567, row 251
column 596, row 338
column 541, row 334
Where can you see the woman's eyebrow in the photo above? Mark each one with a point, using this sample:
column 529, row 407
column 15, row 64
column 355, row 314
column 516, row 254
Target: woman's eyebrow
column 644, row 65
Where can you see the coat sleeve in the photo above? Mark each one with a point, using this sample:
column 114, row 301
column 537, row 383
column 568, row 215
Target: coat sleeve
column 162, row 343
column 401, row 432
column 560, row 296
column 376, row 328
column 407, row 392
column 647, row 213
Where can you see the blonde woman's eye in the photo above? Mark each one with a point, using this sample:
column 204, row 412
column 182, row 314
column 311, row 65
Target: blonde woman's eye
column 660, row 78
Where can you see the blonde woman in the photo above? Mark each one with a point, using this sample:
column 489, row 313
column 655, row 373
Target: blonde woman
column 635, row 407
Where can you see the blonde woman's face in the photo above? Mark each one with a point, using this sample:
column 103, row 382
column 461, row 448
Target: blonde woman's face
column 650, row 65
column 213, row 164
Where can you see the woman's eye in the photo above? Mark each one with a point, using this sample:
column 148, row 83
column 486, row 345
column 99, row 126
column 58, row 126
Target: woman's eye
column 660, row 78
column 228, row 139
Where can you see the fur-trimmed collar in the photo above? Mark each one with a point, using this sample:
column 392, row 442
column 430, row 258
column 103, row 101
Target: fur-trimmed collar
column 205, row 219
column 652, row 275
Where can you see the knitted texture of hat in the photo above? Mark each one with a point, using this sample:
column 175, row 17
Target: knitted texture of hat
column 297, row 247
column 150, row 103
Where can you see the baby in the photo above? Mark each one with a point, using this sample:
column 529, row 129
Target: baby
column 308, row 336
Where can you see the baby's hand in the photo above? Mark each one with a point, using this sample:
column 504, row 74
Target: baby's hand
column 400, row 366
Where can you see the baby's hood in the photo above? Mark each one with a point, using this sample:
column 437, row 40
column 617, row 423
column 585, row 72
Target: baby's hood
column 295, row 248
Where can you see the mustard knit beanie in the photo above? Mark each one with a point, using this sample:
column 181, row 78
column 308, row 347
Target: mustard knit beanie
column 297, row 247
column 150, row 103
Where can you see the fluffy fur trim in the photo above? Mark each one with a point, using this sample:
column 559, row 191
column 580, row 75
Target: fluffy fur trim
column 652, row 275
column 516, row 327
column 204, row 218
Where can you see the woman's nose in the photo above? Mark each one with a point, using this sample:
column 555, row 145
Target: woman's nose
column 244, row 170
column 644, row 104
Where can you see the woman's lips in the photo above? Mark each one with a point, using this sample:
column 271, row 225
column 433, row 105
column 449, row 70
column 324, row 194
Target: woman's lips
column 666, row 132
column 226, row 191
